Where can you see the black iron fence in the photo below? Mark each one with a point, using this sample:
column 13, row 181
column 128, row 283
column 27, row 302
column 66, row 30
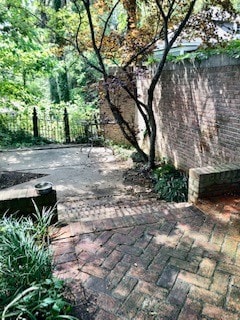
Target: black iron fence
column 64, row 128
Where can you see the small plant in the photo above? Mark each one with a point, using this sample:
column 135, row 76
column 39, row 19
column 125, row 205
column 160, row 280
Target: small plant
column 22, row 260
column 165, row 169
column 28, row 289
column 170, row 183
column 41, row 301
column 44, row 219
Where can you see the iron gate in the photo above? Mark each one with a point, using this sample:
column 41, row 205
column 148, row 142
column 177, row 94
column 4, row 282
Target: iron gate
column 55, row 128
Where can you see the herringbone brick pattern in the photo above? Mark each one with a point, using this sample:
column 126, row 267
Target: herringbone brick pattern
column 151, row 261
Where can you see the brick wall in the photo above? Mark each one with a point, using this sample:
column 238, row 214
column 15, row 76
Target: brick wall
column 197, row 108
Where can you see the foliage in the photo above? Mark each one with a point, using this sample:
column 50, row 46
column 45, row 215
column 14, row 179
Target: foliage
column 44, row 219
column 17, row 91
column 123, row 151
column 23, row 54
column 23, row 257
column 231, row 48
column 28, row 289
column 164, row 169
column 236, row 4
column 123, row 33
column 170, row 183
column 19, row 138
column 83, row 81
column 32, row 49
column 43, row 300
column 67, row 40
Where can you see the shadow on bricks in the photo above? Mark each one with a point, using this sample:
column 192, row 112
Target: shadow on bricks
column 157, row 261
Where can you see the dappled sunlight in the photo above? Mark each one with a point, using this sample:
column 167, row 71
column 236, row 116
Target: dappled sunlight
column 196, row 113
column 70, row 170
column 11, row 160
column 166, row 254
column 203, row 234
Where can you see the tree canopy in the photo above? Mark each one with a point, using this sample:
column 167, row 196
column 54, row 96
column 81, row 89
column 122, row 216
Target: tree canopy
column 127, row 44
column 54, row 37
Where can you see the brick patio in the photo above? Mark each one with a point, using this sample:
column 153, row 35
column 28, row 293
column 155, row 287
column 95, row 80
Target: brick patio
column 150, row 260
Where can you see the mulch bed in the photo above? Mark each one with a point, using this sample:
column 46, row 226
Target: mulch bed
column 11, row 178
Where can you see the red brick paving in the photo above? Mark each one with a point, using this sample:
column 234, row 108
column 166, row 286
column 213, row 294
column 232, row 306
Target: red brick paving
column 157, row 261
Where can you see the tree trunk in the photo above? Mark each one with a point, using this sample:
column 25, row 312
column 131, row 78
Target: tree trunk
column 54, row 90
column 152, row 138
column 58, row 4
column 63, row 86
column 62, row 77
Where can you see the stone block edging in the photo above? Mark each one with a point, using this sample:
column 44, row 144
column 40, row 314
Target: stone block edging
column 212, row 181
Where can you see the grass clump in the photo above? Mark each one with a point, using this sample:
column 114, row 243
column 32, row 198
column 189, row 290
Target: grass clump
column 170, row 184
column 28, row 289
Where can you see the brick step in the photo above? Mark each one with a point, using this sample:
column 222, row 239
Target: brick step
column 124, row 214
column 77, row 208
column 79, row 227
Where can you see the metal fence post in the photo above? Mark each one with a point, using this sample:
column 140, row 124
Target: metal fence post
column 35, row 123
column 66, row 126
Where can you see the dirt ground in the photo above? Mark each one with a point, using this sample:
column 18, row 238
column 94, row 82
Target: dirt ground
column 11, row 178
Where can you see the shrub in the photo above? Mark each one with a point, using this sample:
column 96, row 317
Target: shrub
column 137, row 157
column 22, row 260
column 170, row 183
column 19, row 138
column 28, row 289
column 41, row 301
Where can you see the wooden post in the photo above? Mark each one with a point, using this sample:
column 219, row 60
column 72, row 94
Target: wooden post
column 35, row 123
column 66, row 126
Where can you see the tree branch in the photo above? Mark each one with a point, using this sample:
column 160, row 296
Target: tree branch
column 106, row 24
column 168, row 46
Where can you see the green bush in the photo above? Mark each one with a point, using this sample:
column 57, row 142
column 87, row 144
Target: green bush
column 164, row 170
column 28, row 289
column 19, row 138
column 170, row 183
column 41, row 301
column 22, row 260
column 137, row 157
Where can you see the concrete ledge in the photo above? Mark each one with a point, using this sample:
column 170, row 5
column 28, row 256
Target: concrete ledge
column 20, row 202
column 211, row 181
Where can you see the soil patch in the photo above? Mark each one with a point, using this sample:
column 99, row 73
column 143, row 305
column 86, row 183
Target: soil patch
column 11, row 178
column 138, row 176
column 139, row 180
column 227, row 206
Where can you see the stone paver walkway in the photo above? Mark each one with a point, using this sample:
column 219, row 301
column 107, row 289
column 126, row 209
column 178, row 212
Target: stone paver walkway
column 150, row 260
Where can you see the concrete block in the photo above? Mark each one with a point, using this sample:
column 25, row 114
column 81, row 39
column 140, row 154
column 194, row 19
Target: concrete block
column 213, row 180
